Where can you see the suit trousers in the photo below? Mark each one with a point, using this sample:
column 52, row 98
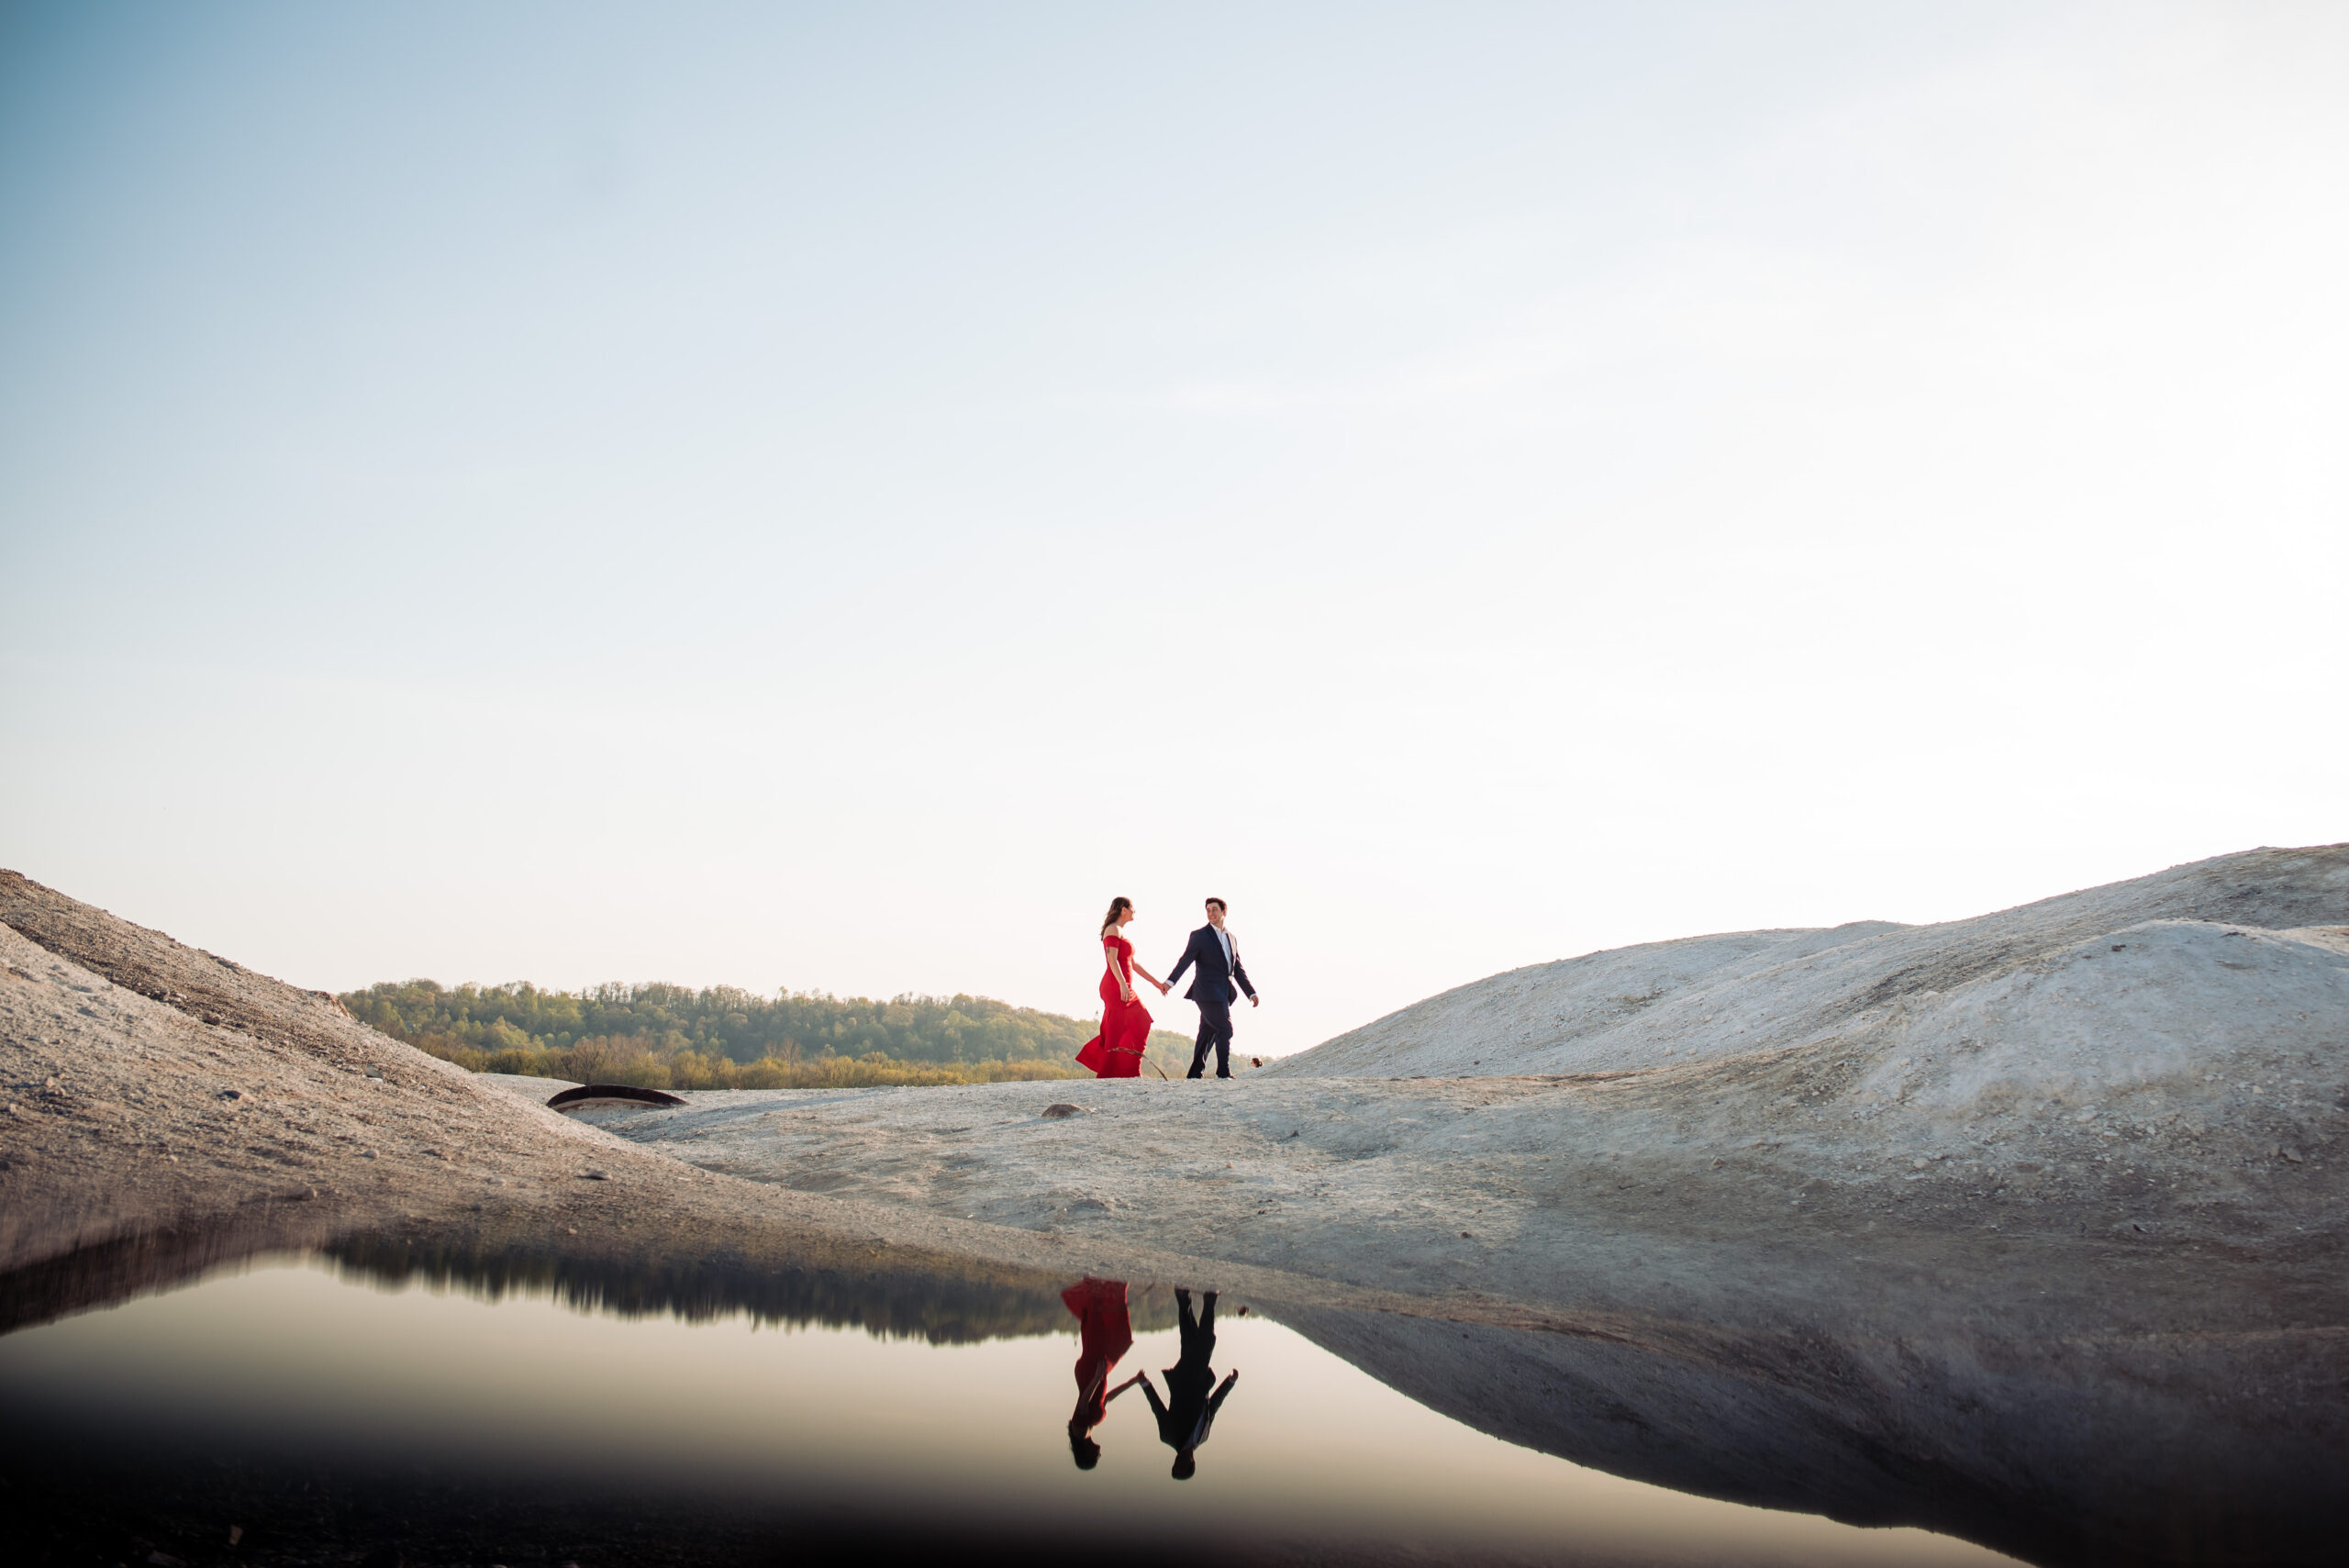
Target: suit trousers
column 1215, row 1030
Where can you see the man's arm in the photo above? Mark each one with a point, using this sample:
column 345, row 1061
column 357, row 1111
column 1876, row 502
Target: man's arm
column 1207, row 1417
column 1158, row 1408
column 1181, row 963
column 1240, row 972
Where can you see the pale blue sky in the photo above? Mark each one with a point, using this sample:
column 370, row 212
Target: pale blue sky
column 827, row 496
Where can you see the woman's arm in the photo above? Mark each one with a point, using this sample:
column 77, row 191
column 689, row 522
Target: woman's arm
column 1125, row 986
column 1152, row 979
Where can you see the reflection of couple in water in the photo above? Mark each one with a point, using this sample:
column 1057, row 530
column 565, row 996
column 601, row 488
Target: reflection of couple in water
column 1105, row 1333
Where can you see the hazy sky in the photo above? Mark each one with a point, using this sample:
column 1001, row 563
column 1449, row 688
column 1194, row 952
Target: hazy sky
column 825, row 496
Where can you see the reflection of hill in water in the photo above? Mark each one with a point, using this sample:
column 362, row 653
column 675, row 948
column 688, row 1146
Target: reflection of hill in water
column 2058, row 1446
column 943, row 1308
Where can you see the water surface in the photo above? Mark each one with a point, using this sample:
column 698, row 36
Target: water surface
column 370, row 1404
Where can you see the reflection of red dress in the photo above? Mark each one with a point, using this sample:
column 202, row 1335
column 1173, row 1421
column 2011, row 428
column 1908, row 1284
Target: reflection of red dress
column 1105, row 1333
column 1116, row 1052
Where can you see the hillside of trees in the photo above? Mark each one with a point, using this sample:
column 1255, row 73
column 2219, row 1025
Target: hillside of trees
column 669, row 1036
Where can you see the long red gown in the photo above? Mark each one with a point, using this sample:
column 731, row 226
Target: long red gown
column 1106, row 1333
column 1116, row 1052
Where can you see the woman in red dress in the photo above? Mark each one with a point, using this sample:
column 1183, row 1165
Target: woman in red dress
column 1104, row 1332
column 1116, row 1052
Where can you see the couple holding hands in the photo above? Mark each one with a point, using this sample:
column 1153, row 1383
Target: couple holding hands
column 1116, row 1052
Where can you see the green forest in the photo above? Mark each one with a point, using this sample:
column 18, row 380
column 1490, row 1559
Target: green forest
column 670, row 1037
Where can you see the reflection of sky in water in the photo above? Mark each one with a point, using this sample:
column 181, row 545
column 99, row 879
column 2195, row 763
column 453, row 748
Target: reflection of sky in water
column 290, row 1354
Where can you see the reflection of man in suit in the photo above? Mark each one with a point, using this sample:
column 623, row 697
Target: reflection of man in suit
column 1218, row 957
column 1189, row 1409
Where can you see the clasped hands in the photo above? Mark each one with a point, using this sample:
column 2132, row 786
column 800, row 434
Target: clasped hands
column 1253, row 1000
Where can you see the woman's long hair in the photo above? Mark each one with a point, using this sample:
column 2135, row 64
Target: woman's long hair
column 1110, row 919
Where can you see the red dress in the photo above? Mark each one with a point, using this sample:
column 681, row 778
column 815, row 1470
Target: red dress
column 1106, row 1333
column 1116, row 1052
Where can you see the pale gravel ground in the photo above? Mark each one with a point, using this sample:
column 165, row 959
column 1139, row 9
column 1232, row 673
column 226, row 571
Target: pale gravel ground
column 2072, row 1068
column 2014, row 1082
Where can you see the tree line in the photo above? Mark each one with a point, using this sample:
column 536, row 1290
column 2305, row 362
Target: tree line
column 661, row 1036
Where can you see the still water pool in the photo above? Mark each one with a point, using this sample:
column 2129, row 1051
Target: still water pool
column 324, row 1408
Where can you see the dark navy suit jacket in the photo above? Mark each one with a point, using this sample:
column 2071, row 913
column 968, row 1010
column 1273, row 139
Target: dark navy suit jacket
column 1206, row 951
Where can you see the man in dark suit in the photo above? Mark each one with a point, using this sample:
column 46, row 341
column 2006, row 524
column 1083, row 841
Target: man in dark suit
column 1213, row 988
column 1189, row 1409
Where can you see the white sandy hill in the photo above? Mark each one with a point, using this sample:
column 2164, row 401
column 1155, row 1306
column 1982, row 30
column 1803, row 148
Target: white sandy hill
column 2237, row 966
